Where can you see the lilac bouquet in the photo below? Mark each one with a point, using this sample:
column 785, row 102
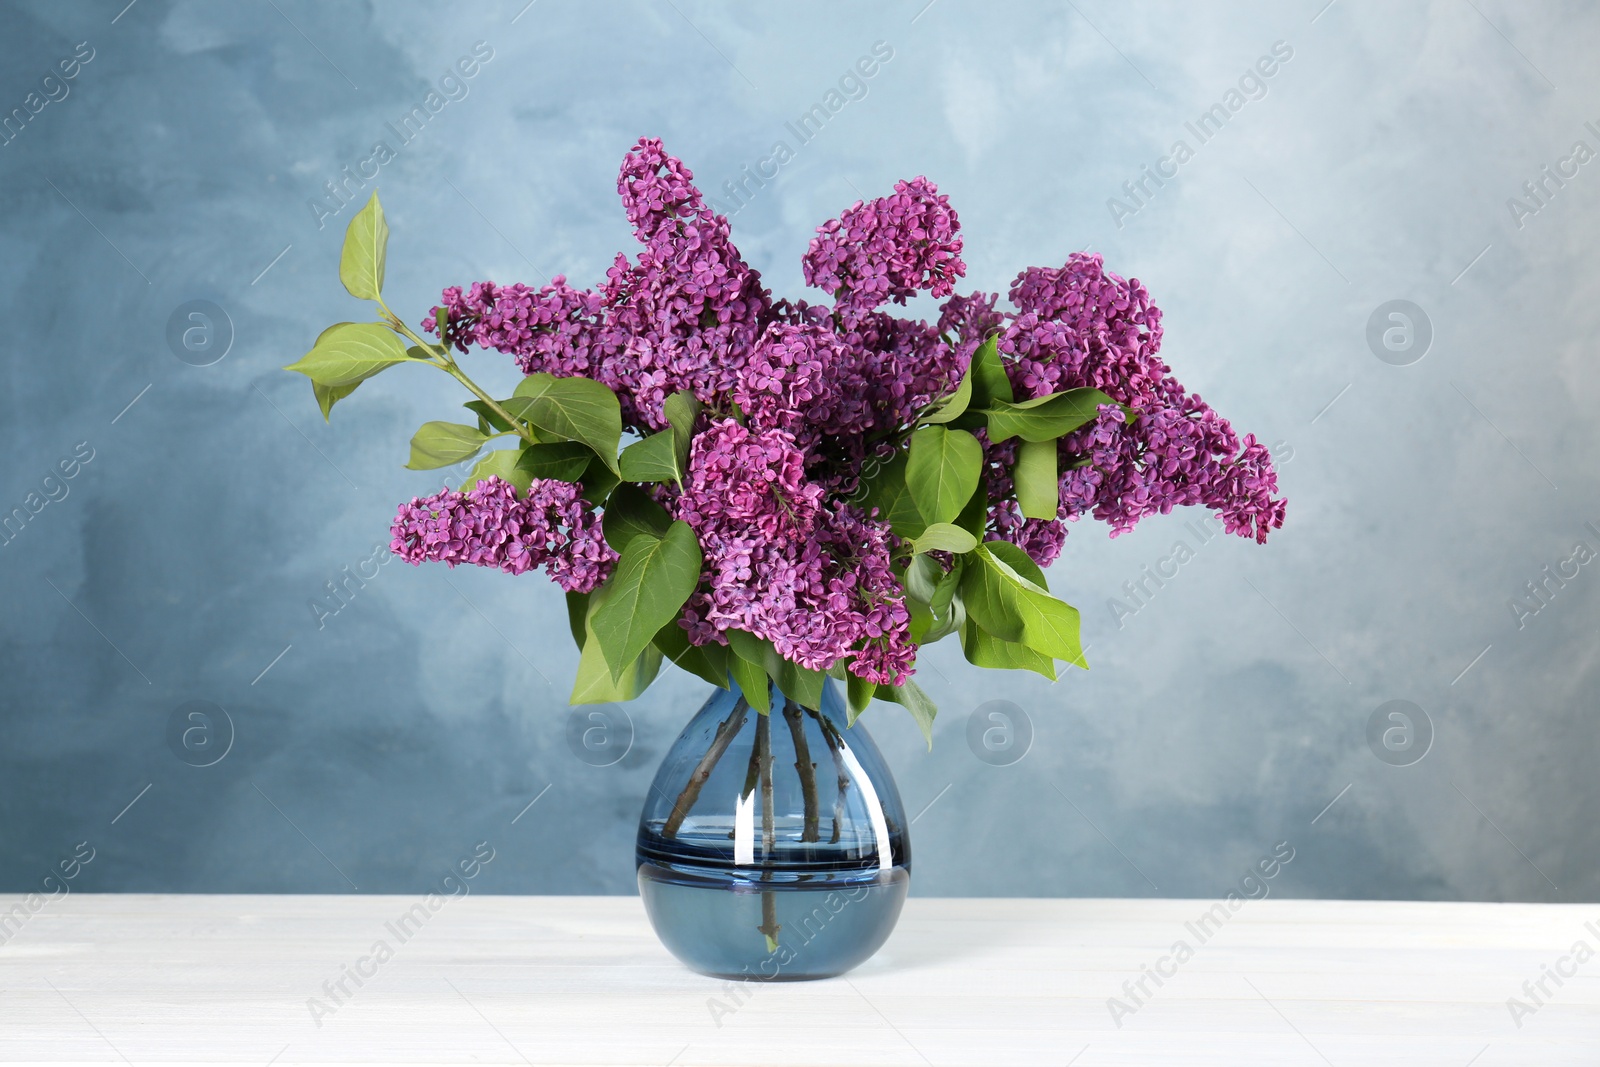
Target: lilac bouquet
column 763, row 489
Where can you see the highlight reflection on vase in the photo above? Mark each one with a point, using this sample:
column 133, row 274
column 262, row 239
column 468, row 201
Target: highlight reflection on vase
column 773, row 846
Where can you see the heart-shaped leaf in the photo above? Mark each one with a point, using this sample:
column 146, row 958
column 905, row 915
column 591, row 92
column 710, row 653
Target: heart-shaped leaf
column 1045, row 418
column 503, row 464
column 350, row 353
column 648, row 589
column 708, row 661
column 439, row 444
column 911, row 697
column 563, row 461
column 983, row 649
column 571, row 409
column 1038, row 493
column 942, row 470
column 955, row 405
column 988, row 374
column 1011, row 606
column 629, row 513
column 653, row 459
column 366, row 243
column 945, row 537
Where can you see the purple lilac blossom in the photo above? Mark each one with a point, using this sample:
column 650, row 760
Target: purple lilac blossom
column 490, row 526
column 820, row 388
column 798, row 380
column 969, row 321
column 818, row 583
column 887, row 249
column 685, row 315
column 1080, row 326
column 830, row 597
column 746, row 482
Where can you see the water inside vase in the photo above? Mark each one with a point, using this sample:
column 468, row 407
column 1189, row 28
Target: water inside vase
column 773, row 846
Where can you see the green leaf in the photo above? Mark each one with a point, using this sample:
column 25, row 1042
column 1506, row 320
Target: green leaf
column 800, row 684
column 858, row 694
column 752, row 680
column 439, row 444
column 988, row 373
column 921, row 578
column 629, row 513
column 887, row 491
column 983, row 649
column 974, row 518
column 944, row 537
column 945, row 622
column 955, row 405
column 572, row 409
column 944, row 594
column 992, row 598
column 708, row 661
column 350, row 353
column 594, row 684
column 565, row 461
column 936, row 612
column 681, row 410
column 598, row 480
column 577, row 617
column 1045, row 418
column 329, row 395
column 1012, row 607
column 942, row 470
column 1038, row 491
column 1017, row 560
column 653, row 459
column 366, row 242
column 487, row 414
column 651, row 583
column 748, row 647
column 911, row 697
column 504, row 463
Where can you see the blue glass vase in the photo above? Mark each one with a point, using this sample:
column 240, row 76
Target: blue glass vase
column 773, row 847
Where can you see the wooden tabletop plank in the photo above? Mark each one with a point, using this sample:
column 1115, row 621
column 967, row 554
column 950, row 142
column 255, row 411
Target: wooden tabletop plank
column 582, row 980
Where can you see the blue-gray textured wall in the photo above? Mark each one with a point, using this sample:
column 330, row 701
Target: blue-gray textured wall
column 1439, row 455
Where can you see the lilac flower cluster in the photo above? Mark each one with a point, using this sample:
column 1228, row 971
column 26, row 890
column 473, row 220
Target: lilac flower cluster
column 1171, row 457
column 797, row 380
column 888, row 249
column 798, row 396
column 490, row 526
column 1084, row 326
column 834, row 388
column 684, row 315
column 550, row 329
column 817, row 582
column 748, row 483
column 814, row 382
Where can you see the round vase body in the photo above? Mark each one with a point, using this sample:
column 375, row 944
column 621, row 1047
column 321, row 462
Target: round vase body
column 773, row 847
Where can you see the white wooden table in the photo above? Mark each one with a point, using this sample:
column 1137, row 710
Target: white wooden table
column 582, row 980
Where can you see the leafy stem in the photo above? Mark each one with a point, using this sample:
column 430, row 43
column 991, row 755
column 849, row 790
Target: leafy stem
column 441, row 358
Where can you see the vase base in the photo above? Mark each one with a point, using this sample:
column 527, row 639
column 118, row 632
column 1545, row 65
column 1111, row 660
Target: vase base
column 819, row 927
